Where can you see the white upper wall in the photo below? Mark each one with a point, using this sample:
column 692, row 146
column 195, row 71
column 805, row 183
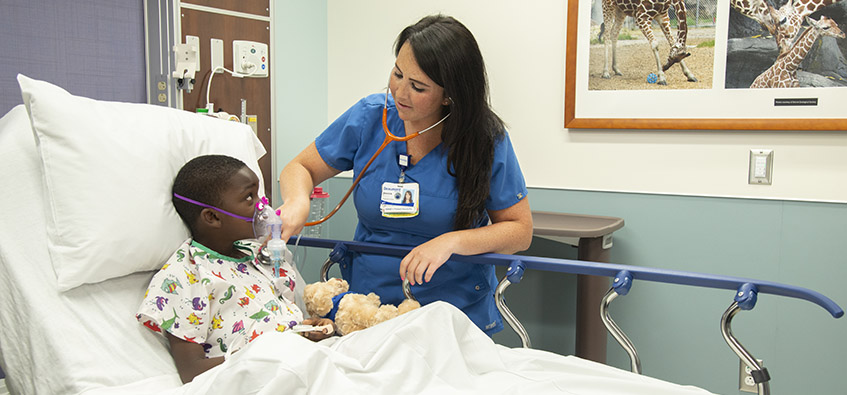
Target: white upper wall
column 524, row 47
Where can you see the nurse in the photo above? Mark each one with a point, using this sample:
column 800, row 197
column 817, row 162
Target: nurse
column 469, row 195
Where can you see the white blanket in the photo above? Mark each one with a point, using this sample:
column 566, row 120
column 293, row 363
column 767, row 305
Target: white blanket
column 433, row 350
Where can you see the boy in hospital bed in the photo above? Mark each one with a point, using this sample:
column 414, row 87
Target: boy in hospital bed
column 213, row 296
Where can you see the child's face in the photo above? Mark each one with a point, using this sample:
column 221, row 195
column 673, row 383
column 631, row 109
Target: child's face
column 240, row 198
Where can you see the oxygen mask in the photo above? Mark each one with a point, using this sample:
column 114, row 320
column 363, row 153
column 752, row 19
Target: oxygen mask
column 266, row 221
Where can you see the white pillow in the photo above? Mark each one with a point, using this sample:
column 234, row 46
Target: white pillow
column 108, row 172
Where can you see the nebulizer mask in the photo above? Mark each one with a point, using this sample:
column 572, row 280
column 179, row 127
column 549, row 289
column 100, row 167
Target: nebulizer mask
column 267, row 225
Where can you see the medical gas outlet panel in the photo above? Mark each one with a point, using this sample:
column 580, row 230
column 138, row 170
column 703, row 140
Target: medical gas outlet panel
column 250, row 58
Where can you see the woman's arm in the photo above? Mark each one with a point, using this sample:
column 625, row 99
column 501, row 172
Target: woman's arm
column 296, row 182
column 190, row 358
column 510, row 231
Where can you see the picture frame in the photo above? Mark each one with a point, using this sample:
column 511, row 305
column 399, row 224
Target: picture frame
column 717, row 108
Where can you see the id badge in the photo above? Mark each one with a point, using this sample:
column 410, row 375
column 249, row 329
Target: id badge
column 400, row 200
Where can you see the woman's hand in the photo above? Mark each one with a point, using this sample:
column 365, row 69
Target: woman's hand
column 294, row 214
column 296, row 182
column 510, row 231
column 420, row 264
column 319, row 335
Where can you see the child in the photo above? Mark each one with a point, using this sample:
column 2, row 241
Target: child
column 213, row 296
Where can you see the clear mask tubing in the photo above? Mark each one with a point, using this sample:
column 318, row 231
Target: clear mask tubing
column 389, row 137
column 222, row 211
column 265, row 221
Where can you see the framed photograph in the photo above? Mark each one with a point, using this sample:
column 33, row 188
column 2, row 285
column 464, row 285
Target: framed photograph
column 776, row 65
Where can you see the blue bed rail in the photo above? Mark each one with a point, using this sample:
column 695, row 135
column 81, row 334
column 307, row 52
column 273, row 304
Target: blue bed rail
column 599, row 269
column 746, row 290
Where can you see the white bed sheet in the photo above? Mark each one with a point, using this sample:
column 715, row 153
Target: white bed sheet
column 87, row 341
column 433, row 350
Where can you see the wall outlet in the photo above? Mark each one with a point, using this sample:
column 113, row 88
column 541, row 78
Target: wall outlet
column 250, row 58
column 253, row 121
column 745, row 380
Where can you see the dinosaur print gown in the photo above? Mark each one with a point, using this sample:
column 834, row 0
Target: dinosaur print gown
column 219, row 302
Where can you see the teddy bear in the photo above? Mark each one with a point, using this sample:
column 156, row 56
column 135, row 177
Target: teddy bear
column 354, row 311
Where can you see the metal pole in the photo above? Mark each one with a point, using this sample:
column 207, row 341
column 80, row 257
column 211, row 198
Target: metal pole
column 617, row 333
column 726, row 331
column 507, row 314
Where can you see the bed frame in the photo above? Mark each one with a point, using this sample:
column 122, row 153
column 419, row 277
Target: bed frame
column 745, row 297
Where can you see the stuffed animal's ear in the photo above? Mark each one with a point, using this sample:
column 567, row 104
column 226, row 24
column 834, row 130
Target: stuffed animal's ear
column 407, row 306
column 373, row 299
column 318, row 301
column 339, row 286
column 384, row 313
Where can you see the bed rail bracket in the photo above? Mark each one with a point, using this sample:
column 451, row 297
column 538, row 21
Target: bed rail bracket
column 745, row 299
column 336, row 255
column 513, row 275
column 516, row 271
column 620, row 286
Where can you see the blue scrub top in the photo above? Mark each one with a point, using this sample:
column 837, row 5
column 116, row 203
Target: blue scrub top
column 347, row 144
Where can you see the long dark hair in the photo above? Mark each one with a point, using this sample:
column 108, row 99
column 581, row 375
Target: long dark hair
column 449, row 55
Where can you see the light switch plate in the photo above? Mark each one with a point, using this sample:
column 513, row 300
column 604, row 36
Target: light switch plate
column 760, row 171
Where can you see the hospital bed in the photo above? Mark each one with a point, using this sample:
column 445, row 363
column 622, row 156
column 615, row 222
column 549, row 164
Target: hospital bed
column 87, row 220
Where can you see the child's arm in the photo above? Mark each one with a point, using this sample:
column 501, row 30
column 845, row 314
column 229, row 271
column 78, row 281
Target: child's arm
column 190, row 358
column 317, row 335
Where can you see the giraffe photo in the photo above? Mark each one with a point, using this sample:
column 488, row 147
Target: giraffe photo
column 652, row 44
column 786, row 44
column 705, row 64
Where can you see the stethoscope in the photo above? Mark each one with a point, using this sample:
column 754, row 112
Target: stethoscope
column 389, row 137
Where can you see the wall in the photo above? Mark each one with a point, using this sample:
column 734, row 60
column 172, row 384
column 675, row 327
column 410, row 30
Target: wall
column 91, row 48
column 675, row 328
column 678, row 204
column 299, row 62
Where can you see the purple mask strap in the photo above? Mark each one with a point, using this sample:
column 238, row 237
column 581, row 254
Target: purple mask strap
column 192, row 201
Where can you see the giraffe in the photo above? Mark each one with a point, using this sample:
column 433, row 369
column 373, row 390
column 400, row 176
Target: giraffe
column 791, row 16
column 758, row 10
column 783, row 73
column 783, row 23
column 644, row 12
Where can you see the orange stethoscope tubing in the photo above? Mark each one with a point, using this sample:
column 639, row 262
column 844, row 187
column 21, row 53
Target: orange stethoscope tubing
column 389, row 137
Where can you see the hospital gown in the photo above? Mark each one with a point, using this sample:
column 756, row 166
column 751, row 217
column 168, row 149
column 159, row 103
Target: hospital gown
column 219, row 302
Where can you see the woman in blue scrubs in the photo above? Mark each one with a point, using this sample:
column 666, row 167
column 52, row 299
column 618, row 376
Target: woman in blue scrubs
column 468, row 192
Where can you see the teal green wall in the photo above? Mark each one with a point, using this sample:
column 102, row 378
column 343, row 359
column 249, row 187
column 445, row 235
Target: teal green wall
column 676, row 328
column 299, row 67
